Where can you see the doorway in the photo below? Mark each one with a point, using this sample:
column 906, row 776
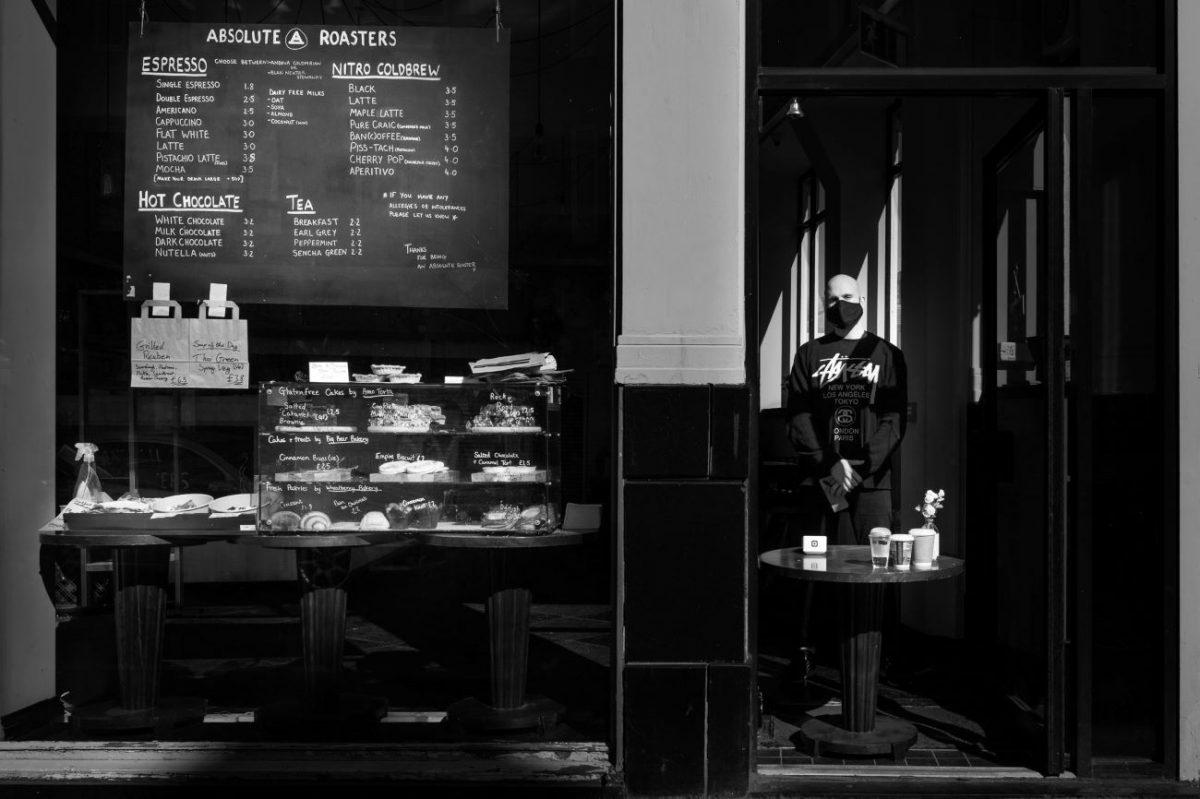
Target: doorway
column 971, row 222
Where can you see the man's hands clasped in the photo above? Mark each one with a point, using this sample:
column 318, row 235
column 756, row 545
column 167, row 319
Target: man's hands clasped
column 845, row 478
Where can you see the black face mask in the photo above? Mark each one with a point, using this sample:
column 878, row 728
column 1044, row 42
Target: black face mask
column 844, row 314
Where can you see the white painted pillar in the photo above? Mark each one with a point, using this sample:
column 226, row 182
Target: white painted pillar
column 682, row 112
column 27, row 352
column 1189, row 398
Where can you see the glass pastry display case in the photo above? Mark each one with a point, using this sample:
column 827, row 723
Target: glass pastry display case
column 472, row 457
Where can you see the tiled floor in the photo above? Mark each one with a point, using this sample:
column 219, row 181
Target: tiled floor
column 916, row 757
column 960, row 736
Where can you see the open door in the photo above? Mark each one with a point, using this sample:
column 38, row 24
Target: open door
column 1020, row 503
column 1058, row 205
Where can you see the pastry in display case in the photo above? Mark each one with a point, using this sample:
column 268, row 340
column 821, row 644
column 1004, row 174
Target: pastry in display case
column 472, row 457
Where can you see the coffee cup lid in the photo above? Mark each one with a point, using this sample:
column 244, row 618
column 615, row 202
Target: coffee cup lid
column 920, row 531
column 883, row 530
column 902, row 537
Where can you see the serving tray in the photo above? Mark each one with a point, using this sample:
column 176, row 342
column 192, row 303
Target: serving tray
column 145, row 522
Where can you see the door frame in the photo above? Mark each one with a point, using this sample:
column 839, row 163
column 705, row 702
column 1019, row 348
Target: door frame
column 776, row 84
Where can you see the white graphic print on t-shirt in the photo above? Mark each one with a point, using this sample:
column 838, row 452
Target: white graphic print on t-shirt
column 847, row 385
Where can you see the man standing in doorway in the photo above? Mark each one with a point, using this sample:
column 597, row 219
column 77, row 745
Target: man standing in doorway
column 846, row 411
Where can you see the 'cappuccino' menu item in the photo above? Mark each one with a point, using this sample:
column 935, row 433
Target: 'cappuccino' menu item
column 318, row 164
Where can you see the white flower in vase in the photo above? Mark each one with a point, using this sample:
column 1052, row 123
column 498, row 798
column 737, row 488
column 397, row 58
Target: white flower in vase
column 931, row 503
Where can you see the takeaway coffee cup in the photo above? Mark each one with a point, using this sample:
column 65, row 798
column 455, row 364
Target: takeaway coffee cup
column 922, row 550
column 902, row 548
column 879, row 546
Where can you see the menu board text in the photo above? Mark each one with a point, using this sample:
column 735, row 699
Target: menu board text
column 318, row 164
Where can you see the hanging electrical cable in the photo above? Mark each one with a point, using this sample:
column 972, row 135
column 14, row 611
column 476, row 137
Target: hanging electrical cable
column 539, row 132
column 274, row 8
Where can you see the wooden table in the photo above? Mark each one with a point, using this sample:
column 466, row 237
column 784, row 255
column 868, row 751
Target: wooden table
column 322, row 568
column 862, row 731
column 508, row 604
column 140, row 566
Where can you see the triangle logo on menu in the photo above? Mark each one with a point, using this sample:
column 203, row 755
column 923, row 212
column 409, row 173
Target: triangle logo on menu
column 295, row 39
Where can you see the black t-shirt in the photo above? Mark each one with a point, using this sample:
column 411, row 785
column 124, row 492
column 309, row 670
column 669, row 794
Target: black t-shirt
column 847, row 399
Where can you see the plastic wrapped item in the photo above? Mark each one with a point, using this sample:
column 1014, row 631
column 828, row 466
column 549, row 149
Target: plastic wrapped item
column 536, row 519
column 414, row 514
column 87, row 485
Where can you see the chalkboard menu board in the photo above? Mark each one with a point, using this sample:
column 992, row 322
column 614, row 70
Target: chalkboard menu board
column 318, row 164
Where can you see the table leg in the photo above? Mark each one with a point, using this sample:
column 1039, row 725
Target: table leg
column 139, row 605
column 508, row 644
column 323, row 635
column 862, row 731
column 139, row 610
column 861, row 621
column 322, row 575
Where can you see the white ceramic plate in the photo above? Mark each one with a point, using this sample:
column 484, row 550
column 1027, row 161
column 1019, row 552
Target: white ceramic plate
column 234, row 503
column 182, row 503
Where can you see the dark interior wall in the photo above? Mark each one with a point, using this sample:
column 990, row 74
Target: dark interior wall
column 853, row 133
column 945, row 140
column 783, row 162
column 936, row 317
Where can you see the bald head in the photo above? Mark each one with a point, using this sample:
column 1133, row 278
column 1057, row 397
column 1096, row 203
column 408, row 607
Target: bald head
column 842, row 287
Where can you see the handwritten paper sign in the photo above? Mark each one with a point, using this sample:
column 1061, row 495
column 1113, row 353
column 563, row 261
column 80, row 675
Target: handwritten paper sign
column 174, row 352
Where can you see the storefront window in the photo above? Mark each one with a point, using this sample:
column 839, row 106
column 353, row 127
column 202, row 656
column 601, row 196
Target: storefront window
column 416, row 617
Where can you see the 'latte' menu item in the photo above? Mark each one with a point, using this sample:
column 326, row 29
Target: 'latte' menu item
column 313, row 164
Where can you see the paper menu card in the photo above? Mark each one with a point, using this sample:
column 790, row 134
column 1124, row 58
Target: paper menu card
column 173, row 352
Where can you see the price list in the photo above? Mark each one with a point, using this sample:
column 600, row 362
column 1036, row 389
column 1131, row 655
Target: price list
column 318, row 164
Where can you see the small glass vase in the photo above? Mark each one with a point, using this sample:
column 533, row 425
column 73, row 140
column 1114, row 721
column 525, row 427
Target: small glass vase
column 930, row 524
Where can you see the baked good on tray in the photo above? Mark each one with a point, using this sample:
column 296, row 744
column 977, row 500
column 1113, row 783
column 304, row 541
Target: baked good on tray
column 503, row 415
column 414, row 514
column 404, row 417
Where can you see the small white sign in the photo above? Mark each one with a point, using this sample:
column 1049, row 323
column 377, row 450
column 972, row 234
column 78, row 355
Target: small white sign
column 1008, row 350
column 216, row 296
column 161, row 292
column 328, row 372
column 814, row 544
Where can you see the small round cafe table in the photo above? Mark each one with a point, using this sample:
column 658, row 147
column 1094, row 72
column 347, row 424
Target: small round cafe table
column 140, row 571
column 862, row 731
column 508, row 604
